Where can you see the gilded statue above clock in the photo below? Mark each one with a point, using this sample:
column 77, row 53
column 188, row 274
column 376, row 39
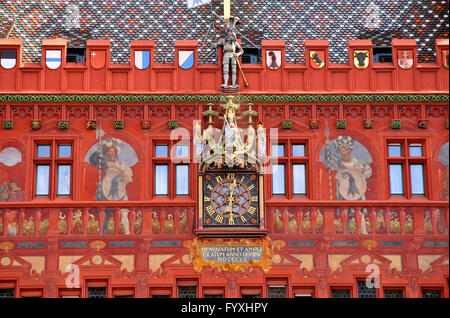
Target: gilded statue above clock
column 230, row 174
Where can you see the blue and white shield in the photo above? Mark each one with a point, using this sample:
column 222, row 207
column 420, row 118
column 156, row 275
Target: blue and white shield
column 53, row 59
column 142, row 59
column 8, row 59
column 186, row 59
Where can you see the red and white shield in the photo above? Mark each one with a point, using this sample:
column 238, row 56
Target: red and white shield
column 405, row 59
column 98, row 59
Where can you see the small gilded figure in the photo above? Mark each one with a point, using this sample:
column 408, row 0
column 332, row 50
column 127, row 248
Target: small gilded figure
column 156, row 226
column 28, row 226
column 409, row 224
column 183, row 223
column 77, row 222
column 306, row 223
column 138, row 223
column 92, row 226
column 43, row 227
column 169, row 226
column 124, row 225
column 292, row 226
column 278, row 222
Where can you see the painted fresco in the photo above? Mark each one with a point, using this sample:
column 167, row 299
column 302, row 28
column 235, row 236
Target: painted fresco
column 124, row 223
column 441, row 224
column 114, row 158
column 366, row 223
column 43, row 224
column 443, row 158
column 409, row 223
column 428, row 224
column 337, row 222
column 319, row 222
column 306, row 223
column 350, row 161
column 138, row 223
column 62, row 222
column 380, row 223
column 351, row 222
column 394, row 224
column 12, row 227
column 109, row 226
column 11, row 164
column 292, row 226
column 77, row 222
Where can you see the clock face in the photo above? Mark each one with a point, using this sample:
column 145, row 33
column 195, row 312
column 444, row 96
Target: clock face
column 231, row 199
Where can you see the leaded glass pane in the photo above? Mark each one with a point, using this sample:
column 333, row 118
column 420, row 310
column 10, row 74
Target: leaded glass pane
column 393, row 293
column 366, row 292
column 96, row 292
column 431, row 294
column 6, row 292
column 187, row 291
column 340, row 293
column 277, row 292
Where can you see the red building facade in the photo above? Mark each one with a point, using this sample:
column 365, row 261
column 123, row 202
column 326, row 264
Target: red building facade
column 133, row 226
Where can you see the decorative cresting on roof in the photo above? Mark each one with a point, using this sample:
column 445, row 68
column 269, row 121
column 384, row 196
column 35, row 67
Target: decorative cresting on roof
column 230, row 146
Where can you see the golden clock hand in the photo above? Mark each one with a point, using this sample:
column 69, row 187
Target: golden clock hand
column 230, row 198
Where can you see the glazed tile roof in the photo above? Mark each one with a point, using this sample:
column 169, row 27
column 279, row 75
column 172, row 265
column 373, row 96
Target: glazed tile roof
column 167, row 20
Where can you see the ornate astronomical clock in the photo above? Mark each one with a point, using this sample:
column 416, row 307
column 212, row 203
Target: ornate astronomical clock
column 231, row 188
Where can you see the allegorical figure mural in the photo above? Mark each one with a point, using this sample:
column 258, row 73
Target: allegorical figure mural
column 114, row 158
column 10, row 190
column 351, row 161
column 443, row 158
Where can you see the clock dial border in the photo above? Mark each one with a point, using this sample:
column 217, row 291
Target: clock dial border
column 219, row 220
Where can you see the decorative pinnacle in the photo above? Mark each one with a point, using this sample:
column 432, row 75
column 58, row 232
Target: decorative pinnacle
column 250, row 113
column 210, row 113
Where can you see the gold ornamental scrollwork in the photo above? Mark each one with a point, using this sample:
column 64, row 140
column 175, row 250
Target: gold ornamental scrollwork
column 264, row 262
column 6, row 246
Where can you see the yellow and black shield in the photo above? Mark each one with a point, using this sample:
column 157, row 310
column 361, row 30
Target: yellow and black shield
column 361, row 59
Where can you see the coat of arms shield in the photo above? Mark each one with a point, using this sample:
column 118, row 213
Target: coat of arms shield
column 361, row 59
column 53, row 59
column 98, row 59
column 317, row 59
column 405, row 59
column 273, row 59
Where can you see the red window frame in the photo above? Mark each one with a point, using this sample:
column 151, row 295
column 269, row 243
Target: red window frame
column 406, row 160
column 53, row 161
column 289, row 160
column 172, row 162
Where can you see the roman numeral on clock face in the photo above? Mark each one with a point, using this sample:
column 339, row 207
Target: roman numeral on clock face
column 210, row 210
column 252, row 210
